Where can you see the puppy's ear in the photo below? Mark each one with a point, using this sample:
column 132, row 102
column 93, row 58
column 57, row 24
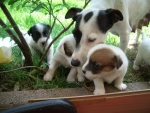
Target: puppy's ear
column 117, row 61
column 114, row 15
column 68, row 50
column 48, row 26
column 72, row 13
column 30, row 31
column 65, row 49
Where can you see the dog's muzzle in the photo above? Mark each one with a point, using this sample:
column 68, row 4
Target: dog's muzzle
column 75, row 63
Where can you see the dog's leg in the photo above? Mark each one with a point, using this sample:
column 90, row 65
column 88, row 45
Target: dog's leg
column 80, row 74
column 99, row 87
column 119, row 84
column 50, row 55
column 50, row 73
column 124, row 39
column 72, row 75
column 137, row 61
column 138, row 32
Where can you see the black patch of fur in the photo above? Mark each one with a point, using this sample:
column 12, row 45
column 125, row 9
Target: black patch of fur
column 76, row 32
column 88, row 16
column 106, row 19
column 103, row 22
column 35, row 34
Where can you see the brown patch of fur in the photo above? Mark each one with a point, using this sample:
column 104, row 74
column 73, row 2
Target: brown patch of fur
column 105, row 58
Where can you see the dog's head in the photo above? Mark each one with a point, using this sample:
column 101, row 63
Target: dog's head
column 39, row 32
column 101, row 59
column 90, row 29
column 66, row 47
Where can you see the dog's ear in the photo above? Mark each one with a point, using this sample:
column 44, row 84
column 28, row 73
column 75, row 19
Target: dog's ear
column 114, row 15
column 30, row 31
column 117, row 61
column 65, row 49
column 48, row 26
column 68, row 50
column 72, row 13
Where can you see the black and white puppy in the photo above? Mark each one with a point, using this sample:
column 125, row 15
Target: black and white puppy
column 62, row 57
column 93, row 23
column 36, row 39
column 106, row 63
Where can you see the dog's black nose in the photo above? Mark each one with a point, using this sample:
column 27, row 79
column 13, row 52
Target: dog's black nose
column 43, row 43
column 84, row 71
column 75, row 63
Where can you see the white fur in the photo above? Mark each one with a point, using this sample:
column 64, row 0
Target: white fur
column 143, row 52
column 116, row 75
column 34, row 47
column 60, row 58
column 132, row 10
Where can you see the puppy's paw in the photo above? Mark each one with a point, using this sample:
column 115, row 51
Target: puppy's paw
column 121, row 86
column 47, row 77
column 135, row 67
column 81, row 79
column 99, row 92
column 70, row 79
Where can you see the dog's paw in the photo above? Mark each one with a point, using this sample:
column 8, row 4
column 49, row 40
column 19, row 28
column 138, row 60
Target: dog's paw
column 81, row 78
column 121, row 86
column 70, row 79
column 47, row 77
column 135, row 67
column 99, row 92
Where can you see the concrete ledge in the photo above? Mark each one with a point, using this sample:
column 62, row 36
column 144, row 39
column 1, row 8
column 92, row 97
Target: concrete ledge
column 16, row 98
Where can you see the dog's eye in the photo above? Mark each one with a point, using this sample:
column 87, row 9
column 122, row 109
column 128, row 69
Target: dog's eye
column 91, row 40
column 97, row 66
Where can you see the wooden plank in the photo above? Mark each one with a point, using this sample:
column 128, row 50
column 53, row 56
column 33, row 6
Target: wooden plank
column 124, row 102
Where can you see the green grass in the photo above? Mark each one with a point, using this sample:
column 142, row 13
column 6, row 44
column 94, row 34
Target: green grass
column 27, row 79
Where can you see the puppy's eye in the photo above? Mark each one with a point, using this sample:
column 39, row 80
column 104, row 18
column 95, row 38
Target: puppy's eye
column 97, row 66
column 91, row 40
column 46, row 34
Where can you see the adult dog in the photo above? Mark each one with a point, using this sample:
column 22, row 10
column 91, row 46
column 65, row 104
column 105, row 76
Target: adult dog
column 62, row 56
column 92, row 24
column 106, row 63
column 36, row 38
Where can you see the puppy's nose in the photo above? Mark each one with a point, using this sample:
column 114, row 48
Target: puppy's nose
column 75, row 63
column 43, row 43
column 84, row 71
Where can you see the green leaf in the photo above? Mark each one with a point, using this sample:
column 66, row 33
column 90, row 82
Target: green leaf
column 37, row 8
column 11, row 2
column 24, row 3
column 2, row 1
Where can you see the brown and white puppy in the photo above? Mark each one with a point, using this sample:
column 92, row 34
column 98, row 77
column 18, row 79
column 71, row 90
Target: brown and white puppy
column 106, row 63
column 62, row 56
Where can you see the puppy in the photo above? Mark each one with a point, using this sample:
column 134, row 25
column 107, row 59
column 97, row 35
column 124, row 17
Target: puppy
column 93, row 23
column 62, row 56
column 36, row 39
column 143, row 52
column 106, row 63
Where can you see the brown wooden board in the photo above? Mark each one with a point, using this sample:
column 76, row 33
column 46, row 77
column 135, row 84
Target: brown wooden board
column 124, row 102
